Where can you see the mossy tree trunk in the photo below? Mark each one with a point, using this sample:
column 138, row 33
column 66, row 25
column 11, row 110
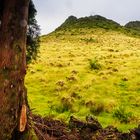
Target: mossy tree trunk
column 13, row 97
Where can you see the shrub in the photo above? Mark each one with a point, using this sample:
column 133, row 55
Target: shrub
column 71, row 78
column 89, row 40
column 94, row 64
column 97, row 108
column 122, row 115
column 66, row 105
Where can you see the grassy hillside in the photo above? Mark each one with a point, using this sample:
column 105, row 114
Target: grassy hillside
column 85, row 71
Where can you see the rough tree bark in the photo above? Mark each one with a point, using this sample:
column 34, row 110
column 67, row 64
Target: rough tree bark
column 13, row 97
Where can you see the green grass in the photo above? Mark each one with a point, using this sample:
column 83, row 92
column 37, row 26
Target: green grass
column 65, row 80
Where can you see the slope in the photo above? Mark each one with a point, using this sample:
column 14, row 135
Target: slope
column 85, row 71
column 89, row 22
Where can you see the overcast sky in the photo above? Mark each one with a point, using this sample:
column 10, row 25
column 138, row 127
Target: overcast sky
column 52, row 13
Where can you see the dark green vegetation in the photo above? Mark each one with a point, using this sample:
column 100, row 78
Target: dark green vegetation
column 97, row 21
column 135, row 25
column 33, row 33
column 84, row 69
column 89, row 22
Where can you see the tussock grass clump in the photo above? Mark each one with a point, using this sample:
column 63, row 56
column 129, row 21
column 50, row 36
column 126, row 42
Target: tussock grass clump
column 71, row 78
column 96, row 107
column 89, row 40
column 94, row 64
column 65, row 105
column 122, row 115
column 75, row 95
column 60, row 83
column 89, row 104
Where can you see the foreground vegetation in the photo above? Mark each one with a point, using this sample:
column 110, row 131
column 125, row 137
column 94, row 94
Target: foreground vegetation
column 87, row 71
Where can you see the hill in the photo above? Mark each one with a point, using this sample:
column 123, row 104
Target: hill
column 89, row 22
column 82, row 71
column 97, row 21
column 133, row 25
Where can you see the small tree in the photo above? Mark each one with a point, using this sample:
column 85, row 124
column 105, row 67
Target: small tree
column 33, row 32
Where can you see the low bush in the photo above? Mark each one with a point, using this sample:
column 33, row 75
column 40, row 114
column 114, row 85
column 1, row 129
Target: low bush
column 122, row 115
column 97, row 108
column 89, row 40
column 65, row 105
column 94, row 64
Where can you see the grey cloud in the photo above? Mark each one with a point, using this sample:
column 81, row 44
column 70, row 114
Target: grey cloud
column 69, row 4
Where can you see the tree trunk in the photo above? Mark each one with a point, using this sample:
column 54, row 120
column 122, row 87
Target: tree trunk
column 13, row 97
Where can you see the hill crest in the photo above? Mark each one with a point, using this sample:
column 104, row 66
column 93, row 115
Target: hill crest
column 95, row 21
column 132, row 28
column 135, row 25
